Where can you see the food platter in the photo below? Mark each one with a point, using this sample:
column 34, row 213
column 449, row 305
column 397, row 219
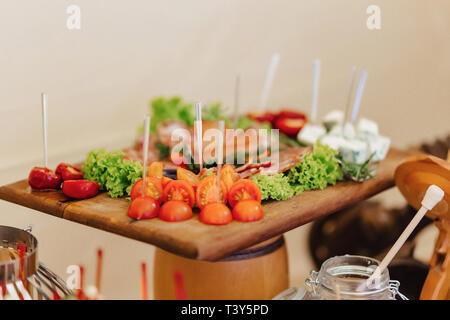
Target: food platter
column 196, row 240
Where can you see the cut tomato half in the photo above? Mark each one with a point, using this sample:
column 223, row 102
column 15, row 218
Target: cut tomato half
column 244, row 189
column 248, row 211
column 175, row 210
column 153, row 189
column 156, row 170
column 228, row 176
column 180, row 190
column 207, row 192
column 215, row 213
column 189, row 176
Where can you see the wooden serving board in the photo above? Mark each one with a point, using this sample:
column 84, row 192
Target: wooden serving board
column 192, row 238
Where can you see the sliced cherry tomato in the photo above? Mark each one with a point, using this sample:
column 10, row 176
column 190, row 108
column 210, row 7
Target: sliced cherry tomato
column 80, row 189
column 143, row 208
column 175, row 210
column 180, row 190
column 228, row 175
column 153, row 189
column 44, row 179
column 189, row 176
column 290, row 126
column 68, row 172
column 215, row 213
column 207, row 192
column 265, row 117
column 156, row 170
column 165, row 181
column 244, row 189
column 247, row 211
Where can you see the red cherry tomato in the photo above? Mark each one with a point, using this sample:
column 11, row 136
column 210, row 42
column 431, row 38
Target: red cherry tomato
column 80, row 189
column 247, row 211
column 44, row 179
column 180, row 190
column 265, row 117
column 215, row 213
column 243, row 189
column 290, row 126
column 228, row 176
column 69, row 172
column 189, row 176
column 175, row 210
column 153, row 189
column 165, row 181
column 207, row 192
column 143, row 208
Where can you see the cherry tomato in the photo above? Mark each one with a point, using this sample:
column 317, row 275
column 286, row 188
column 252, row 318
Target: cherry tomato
column 175, row 210
column 69, row 172
column 243, row 189
column 207, row 192
column 189, row 176
column 143, row 208
column 265, row 117
column 155, row 170
column 215, row 213
column 290, row 126
column 291, row 114
column 228, row 176
column 247, row 211
column 165, row 181
column 80, row 189
column 44, row 179
column 180, row 190
column 153, row 189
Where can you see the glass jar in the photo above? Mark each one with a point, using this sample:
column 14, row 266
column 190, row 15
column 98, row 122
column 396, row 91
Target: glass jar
column 345, row 277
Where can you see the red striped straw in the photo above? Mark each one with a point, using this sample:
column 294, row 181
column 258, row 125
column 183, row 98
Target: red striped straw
column 180, row 293
column 80, row 295
column 144, row 281
column 98, row 279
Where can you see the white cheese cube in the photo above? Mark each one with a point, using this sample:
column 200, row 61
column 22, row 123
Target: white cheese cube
column 354, row 150
column 379, row 145
column 367, row 127
column 335, row 142
column 310, row 133
column 334, row 118
column 347, row 131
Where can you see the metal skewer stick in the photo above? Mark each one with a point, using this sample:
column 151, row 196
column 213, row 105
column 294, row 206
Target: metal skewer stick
column 349, row 95
column 268, row 82
column 198, row 129
column 146, row 138
column 221, row 125
column 315, row 90
column 433, row 196
column 44, row 127
column 237, row 93
column 359, row 93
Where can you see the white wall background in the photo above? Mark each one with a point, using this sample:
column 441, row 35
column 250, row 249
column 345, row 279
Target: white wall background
column 99, row 80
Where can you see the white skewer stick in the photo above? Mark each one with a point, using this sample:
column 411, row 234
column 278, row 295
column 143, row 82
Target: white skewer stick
column 432, row 197
column 359, row 93
column 237, row 94
column 146, row 138
column 221, row 125
column 315, row 90
column 269, row 79
column 349, row 95
column 198, row 127
column 44, row 127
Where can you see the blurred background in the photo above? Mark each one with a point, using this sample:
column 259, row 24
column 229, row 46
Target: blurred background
column 100, row 79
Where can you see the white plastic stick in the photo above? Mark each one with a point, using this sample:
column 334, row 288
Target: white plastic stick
column 198, row 129
column 237, row 94
column 359, row 93
column 221, row 126
column 315, row 89
column 269, row 79
column 146, row 138
column 44, row 126
column 433, row 195
column 349, row 95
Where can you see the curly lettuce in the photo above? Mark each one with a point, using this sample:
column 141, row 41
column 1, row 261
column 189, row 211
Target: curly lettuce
column 274, row 187
column 114, row 174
